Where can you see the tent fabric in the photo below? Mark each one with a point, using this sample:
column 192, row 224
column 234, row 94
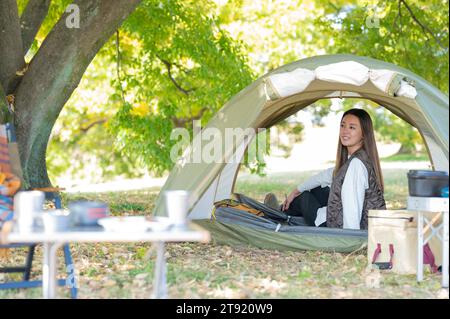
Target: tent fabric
column 197, row 177
column 230, row 215
column 238, row 235
column 278, row 94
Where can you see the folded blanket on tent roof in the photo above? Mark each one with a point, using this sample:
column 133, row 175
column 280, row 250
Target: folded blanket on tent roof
column 284, row 84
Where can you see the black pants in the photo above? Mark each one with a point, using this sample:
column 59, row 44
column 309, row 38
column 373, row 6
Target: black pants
column 307, row 204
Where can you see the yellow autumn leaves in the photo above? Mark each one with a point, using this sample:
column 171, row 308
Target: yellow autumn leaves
column 143, row 108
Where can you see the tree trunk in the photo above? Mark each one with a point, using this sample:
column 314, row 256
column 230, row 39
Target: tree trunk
column 11, row 49
column 31, row 20
column 53, row 75
column 3, row 106
column 406, row 149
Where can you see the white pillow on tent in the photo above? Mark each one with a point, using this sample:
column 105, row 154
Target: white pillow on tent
column 348, row 72
column 282, row 85
column 285, row 84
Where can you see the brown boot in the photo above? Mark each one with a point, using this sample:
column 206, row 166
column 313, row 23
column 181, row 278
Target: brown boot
column 271, row 201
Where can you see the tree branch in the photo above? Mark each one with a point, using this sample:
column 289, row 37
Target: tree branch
column 31, row 21
column 169, row 73
column 424, row 27
column 394, row 23
column 334, row 6
column 118, row 54
column 11, row 49
column 92, row 124
column 56, row 70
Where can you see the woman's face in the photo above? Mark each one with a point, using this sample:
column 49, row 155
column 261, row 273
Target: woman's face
column 351, row 133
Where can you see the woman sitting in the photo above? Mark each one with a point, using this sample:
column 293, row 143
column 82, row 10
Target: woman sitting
column 341, row 197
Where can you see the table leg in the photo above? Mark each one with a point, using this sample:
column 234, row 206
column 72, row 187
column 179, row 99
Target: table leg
column 49, row 268
column 159, row 282
column 445, row 251
column 419, row 246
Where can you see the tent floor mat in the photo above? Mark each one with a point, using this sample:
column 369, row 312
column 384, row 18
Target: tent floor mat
column 240, row 235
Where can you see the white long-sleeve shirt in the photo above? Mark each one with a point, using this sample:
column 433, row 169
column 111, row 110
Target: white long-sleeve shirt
column 355, row 183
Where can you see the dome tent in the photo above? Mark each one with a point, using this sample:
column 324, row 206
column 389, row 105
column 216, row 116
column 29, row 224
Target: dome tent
column 274, row 97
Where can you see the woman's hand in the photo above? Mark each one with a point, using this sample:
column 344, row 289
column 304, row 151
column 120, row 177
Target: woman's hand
column 289, row 199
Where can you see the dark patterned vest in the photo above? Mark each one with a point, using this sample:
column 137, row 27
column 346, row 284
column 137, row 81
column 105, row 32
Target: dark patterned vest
column 373, row 197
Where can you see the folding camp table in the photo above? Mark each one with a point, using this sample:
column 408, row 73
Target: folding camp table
column 54, row 240
column 435, row 205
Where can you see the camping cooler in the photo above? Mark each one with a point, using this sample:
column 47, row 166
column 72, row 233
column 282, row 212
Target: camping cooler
column 399, row 229
column 422, row 183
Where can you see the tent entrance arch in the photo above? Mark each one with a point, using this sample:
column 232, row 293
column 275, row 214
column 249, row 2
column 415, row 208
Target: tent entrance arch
column 223, row 186
column 284, row 92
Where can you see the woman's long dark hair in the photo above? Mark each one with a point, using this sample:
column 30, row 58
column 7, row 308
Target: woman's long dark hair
column 369, row 144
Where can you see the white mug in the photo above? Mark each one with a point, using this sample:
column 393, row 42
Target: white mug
column 26, row 205
column 177, row 206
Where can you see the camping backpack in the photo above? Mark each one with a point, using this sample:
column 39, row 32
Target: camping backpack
column 249, row 205
column 237, row 205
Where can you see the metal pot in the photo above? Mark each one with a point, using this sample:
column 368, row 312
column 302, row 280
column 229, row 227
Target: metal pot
column 87, row 213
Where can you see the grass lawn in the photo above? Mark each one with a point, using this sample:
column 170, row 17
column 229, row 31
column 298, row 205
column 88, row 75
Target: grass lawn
column 406, row 157
column 210, row 271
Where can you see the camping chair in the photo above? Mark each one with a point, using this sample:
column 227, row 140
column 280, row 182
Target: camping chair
column 9, row 163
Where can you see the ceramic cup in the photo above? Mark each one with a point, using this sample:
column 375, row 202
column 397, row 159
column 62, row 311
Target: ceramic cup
column 56, row 220
column 177, row 206
column 27, row 204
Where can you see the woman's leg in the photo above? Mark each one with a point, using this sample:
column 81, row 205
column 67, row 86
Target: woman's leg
column 307, row 204
column 321, row 194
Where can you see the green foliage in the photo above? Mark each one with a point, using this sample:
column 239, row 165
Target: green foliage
column 392, row 128
column 120, row 118
column 170, row 63
column 81, row 146
column 274, row 32
column 177, row 65
column 254, row 156
column 411, row 34
column 319, row 110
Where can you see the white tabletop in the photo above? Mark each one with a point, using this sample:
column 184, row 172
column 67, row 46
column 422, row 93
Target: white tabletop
column 428, row 204
column 191, row 232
